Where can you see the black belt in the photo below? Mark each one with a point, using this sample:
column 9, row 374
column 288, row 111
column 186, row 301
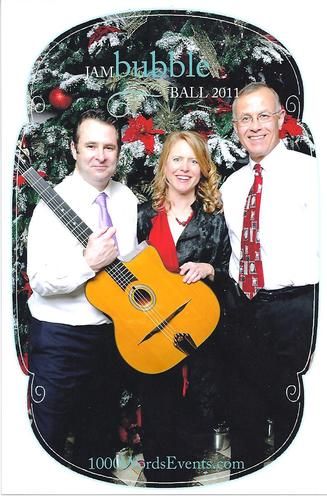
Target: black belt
column 282, row 293
column 278, row 294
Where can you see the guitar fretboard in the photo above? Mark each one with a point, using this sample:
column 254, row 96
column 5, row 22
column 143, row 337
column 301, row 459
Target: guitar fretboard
column 59, row 207
column 117, row 270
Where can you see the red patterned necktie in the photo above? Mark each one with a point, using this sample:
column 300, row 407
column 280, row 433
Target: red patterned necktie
column 251, row 271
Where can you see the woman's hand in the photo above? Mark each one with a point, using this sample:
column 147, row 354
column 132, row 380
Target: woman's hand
column 195, row 271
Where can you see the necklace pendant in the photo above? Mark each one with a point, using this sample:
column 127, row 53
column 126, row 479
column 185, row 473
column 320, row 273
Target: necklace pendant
column 184, row 222
column 181, row 222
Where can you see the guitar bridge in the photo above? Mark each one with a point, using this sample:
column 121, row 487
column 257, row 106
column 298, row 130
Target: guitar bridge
column 184, row 343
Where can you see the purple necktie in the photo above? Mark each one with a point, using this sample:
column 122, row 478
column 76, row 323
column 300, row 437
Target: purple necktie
column 104, row 216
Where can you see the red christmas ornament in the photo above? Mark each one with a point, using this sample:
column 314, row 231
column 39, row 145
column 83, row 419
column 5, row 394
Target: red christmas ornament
column 59, row 99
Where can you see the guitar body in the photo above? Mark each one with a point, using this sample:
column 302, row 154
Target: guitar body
column 159, row 320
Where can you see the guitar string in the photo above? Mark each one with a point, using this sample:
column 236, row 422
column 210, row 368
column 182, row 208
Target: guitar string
column 117, row 276
column 155, row 315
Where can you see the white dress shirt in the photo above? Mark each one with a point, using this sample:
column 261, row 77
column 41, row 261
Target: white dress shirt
column 56, row 267
column 288, row 225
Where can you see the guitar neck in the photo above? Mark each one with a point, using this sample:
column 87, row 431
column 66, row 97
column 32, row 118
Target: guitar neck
column 58, row 206
column 117, row 270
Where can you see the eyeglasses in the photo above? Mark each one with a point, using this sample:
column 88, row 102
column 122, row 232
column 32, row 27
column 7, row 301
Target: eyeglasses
column 261, row 118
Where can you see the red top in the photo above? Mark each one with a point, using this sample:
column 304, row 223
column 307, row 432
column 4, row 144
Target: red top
column 161, row 239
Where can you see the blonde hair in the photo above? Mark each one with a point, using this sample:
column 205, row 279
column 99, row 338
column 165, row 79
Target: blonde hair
column 206, row 191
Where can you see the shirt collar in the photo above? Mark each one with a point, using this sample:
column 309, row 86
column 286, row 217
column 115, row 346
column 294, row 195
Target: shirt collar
column 109, row 190
column 86, row 190
column 271, row 160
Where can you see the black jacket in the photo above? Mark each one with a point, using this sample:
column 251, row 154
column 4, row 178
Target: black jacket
column 204, row 239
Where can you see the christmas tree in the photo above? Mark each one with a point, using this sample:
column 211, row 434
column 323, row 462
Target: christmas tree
column 155, row 72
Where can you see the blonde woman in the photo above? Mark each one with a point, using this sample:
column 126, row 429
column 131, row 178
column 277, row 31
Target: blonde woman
column 184, row 222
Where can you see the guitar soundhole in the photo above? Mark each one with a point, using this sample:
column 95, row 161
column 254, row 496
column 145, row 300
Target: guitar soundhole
column 142, row 297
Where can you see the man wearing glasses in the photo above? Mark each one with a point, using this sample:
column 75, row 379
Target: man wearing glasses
column 270, row 207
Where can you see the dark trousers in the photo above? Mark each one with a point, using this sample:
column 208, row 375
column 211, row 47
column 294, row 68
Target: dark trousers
column 177, row 429
column 269, row 345
column 74, row 389
column 163, row 424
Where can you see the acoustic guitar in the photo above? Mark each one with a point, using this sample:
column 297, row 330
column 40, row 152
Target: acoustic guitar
column 158, row 319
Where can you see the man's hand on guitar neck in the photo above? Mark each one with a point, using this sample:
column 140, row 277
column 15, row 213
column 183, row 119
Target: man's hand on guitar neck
column 101, row 249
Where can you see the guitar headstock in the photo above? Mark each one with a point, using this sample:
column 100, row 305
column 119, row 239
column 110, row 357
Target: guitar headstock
column 22, row 159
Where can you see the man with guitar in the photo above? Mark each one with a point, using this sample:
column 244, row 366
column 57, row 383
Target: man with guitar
column 74, row 364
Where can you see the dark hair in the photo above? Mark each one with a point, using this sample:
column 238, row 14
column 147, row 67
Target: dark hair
column 101, row 116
